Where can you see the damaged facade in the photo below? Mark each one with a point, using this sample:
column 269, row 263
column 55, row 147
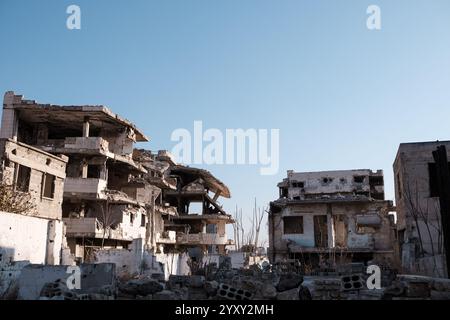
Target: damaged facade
column 325, row 218
column 420, row 225
column 176, row 226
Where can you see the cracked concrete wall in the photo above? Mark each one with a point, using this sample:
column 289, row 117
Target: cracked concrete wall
column 30, row 238
column 413, row 197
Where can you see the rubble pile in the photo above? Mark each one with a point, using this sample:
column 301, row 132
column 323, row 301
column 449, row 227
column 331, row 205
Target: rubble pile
column 58, row 290
column 223, row 284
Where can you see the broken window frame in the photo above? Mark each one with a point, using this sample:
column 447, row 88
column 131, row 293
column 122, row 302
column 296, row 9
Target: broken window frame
column 22, row 170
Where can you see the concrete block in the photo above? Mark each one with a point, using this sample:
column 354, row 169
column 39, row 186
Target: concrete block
column 230, row 293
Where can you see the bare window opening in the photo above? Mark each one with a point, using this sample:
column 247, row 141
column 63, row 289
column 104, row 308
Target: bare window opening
column 93, row 171
column 48, row 161
column 293, row 225
column 327, row 180
column 298, row 184
column 343, row 180
column 283, row 192
column 48, row 186
column 131, row 218
column 358, row 179
column 211, row 228
column 23, row 178
column 142, row 220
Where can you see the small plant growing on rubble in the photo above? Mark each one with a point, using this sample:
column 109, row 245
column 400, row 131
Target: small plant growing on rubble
column 14, row 201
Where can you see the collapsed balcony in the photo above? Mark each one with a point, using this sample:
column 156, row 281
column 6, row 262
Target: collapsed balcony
column 90, row 228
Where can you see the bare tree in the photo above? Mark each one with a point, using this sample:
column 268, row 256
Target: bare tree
column 236, row 229
column 259, row 215
column 108, row 220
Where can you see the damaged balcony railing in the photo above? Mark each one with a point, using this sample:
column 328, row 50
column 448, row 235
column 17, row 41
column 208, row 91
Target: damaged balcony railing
column 90, row 227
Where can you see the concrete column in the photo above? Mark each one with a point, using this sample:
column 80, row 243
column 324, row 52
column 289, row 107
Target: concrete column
column 86, row 127
column 84, row 169
column 104, row 172
column 9, row 117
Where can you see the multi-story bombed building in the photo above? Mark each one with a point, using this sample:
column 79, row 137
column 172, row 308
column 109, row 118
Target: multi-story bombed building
column 418, row 198
column 80, row 167
column 330, row 217
column 104, row 205
column 178, row 226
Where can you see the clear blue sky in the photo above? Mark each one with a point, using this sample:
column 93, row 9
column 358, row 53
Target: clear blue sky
column 342, row 96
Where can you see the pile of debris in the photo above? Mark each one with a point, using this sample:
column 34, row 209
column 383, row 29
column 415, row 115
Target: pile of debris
column 100, row 282
column 231, row 284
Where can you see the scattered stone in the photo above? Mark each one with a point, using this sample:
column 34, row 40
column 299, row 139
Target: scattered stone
column 141, row 287
column 165, row 295
column 304, row 293
column 196, row 281
column 418, row 289
column 289, row 281
column 268, row 291
column 440, row 295
column 211, row 288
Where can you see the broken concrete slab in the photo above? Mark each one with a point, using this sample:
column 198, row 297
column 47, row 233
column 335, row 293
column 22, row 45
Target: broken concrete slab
column 142, row 287
column 289, row 281
column 93, row 277
column 165, row 295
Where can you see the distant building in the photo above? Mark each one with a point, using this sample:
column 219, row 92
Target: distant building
column 329, row 217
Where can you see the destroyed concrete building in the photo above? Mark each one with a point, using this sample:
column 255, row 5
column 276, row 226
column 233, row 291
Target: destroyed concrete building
column 204, row 231
column 97, row 209
column 330, row 217
column 419, row 220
